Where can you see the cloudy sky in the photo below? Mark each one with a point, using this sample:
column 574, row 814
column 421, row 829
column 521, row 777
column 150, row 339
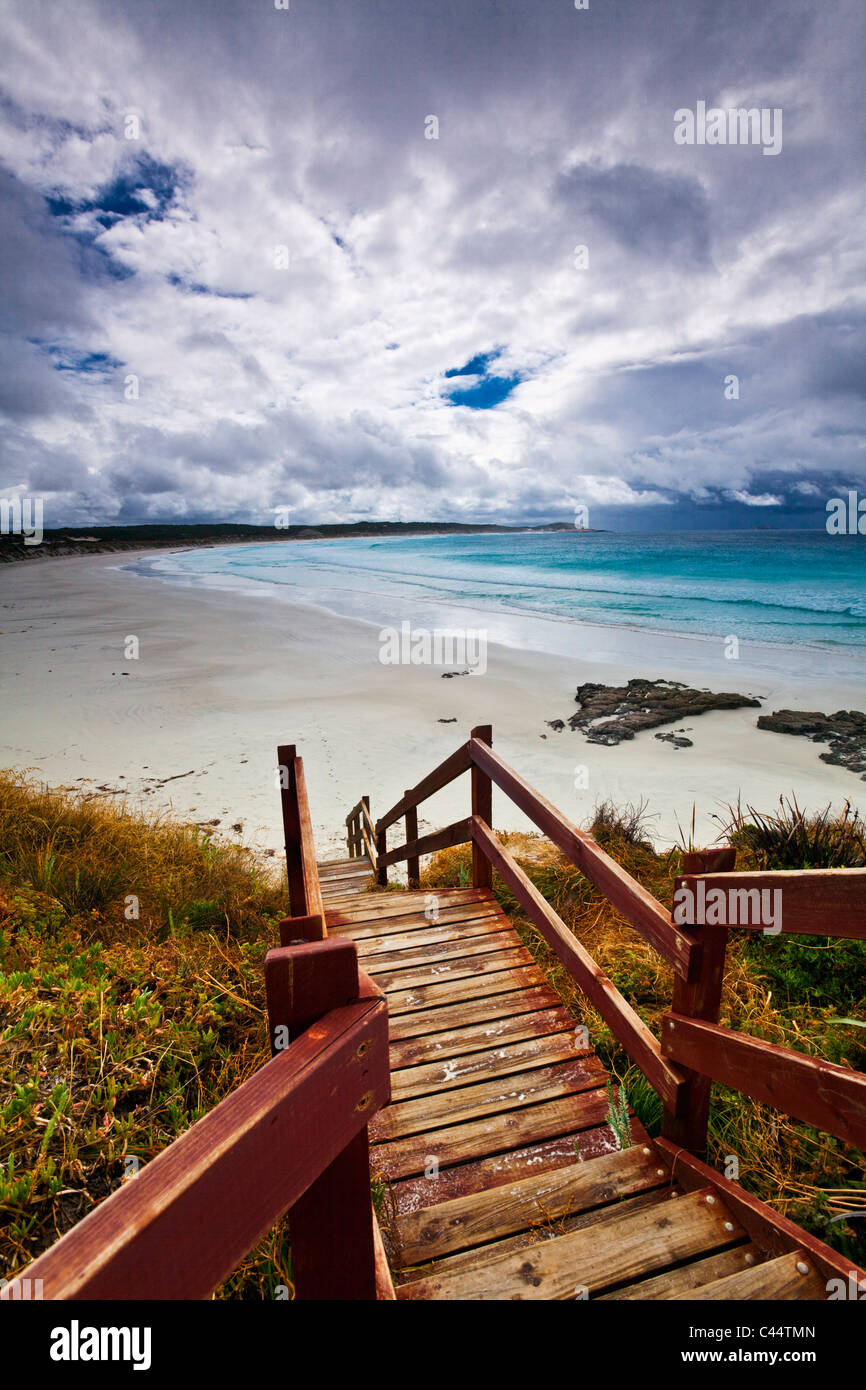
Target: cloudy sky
column 239, row 274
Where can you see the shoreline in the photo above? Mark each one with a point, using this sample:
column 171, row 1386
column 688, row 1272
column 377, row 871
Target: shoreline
column 220, row 681
column 242, row 584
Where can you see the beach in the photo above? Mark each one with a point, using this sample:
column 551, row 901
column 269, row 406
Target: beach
column 190, row 726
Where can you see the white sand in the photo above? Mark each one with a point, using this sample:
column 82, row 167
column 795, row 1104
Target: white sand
column 223, row 677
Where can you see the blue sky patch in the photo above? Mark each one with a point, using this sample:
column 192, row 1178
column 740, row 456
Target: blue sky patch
column 487, row 390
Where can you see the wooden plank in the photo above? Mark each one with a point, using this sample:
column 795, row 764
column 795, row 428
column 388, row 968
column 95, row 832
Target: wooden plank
column 773, row 1232
column 676, row 1283
column 403, row 903
column 479, row 1175
column 790, row 1277
column 480, row 944
column 495, row 1096
column 466, row 1259
column 486, row 916
column 625, row 1023
column 819, row 1093
column 247, row 1160
column 814, row 902
column 636, row 904
column 345, row 882
column 404, row 1158
column 463, row 1071
column 537, row 1200
column 357, row 864
column 460, row 991
column 458, row 1042
column 489, row 1008
column 482, row 805
column 459, row 833
column 595, row 1258
column 443, row 971
column 451, row 767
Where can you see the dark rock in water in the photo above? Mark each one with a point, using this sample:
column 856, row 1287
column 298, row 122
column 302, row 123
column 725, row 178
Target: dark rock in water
column 677, row 739
column 447, row 721
column 556, row 724
column 449, row 675
column 844, row 731
column 609, row 714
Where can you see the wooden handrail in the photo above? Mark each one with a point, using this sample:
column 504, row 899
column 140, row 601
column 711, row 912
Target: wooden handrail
column 829, row 1097
column 249, row 1159
column 680, row 1069
column 446, row 772
column 460, row 833
column 644, row 912
column 814, row 902
column 621, row 1018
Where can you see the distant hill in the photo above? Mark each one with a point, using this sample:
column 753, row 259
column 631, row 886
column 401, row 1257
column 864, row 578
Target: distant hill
column 66, row 540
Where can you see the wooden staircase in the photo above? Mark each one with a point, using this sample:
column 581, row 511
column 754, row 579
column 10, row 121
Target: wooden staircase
column 415, row 1041
column 491, row 1094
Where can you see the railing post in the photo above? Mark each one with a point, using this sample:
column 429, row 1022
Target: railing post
column 286, row 754
column 482, row 805
column 413, row 866
column 381, row 848
column 699, row 998
column 331, row 1226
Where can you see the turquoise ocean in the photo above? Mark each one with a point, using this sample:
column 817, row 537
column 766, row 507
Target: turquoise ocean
column 798, row 588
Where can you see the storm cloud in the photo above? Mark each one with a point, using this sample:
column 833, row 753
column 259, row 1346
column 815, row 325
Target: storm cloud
column 439, row 260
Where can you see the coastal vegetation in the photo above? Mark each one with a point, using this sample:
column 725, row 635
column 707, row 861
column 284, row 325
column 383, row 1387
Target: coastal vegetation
column 132, row 1000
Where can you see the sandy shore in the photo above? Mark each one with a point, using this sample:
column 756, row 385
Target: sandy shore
column 192, row 725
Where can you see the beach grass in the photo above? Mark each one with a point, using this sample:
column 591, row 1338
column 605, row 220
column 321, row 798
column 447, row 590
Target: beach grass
column 131, row 1002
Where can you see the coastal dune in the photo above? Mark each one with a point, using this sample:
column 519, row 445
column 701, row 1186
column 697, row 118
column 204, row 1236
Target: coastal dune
column 190, row 725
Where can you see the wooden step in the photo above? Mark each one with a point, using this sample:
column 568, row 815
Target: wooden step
column 593, row 1259
column 462, row 968
column 539, row 1200
column 488, row 1008
column 481, row 1174
column 496, row 1095
column 489, row 1135
column 476, row 1037
column 425, row 997
column 375, row 962
column 452, row 1072
column 676, row 1283
column 792, row 1277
